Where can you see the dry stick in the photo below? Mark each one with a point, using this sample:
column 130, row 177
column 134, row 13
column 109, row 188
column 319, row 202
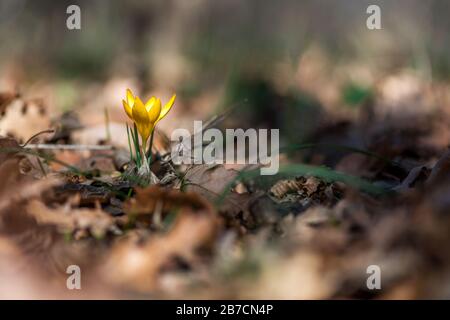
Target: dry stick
column 75, row 147
column 53, row 159
column 41, row 166
column 37, row 158
column 211, row 123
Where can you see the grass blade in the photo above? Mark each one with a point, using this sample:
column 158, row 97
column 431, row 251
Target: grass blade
column 136, row 146
column 321, row 172
column 129, row 144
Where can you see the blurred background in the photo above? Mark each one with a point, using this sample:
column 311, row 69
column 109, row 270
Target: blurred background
column 310, row 68
column 282, row 63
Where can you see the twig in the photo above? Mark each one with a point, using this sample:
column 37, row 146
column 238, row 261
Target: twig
column 35, row 135
column 75, row 147
column 41, row 166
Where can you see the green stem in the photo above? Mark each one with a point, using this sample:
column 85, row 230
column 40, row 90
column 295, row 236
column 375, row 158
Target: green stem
column 136, row 145
column 144, row 157
column 150, row 148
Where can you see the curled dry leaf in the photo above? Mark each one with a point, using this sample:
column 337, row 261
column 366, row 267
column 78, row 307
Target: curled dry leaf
column 149, row 199
column 7, row 146
column 25, row 192
column 15, row 186
column 136, row 266
column 305, row 188
column 24, row 118
column 67, row 219
column 209, row 180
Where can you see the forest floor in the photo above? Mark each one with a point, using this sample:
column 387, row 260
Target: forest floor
column 373, row 190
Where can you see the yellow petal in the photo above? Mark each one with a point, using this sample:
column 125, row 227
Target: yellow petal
column 150, row 103
column 130, row 98
column 154, row 111
column 167, row 107
column 141, row 118
column 128, row 110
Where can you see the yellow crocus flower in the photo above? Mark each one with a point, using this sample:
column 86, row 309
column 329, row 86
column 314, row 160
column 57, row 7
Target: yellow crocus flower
column 147, row 115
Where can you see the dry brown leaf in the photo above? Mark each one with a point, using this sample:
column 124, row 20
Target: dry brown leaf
column 15, row 186
column 6, row 98
column 137, row 266
column 209, row 180
column 67, row 219
column 24, row 118
column 147, row 200
column 305, row 188
column 7, row 147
